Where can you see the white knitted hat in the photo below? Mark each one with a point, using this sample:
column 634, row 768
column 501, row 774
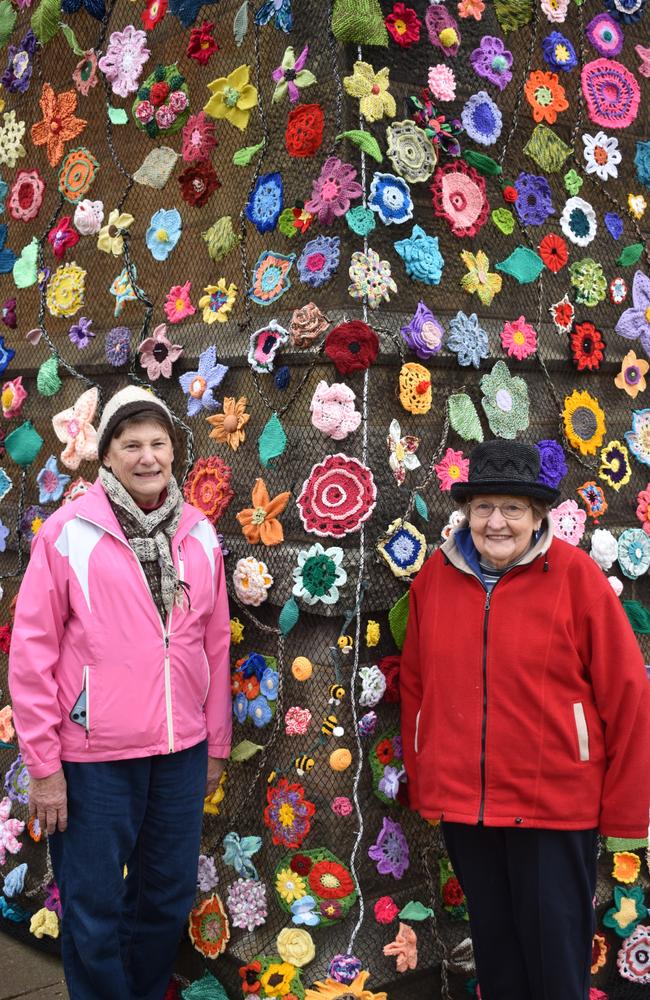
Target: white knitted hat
column 127, row 403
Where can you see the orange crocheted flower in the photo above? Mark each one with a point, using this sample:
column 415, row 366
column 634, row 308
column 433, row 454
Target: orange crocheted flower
column 260, row 522
column 209, row 928
column 545, row 94
column 599, row 949
column 59, row 124
column 228, row 427
column 77, row 174
column 626, row 866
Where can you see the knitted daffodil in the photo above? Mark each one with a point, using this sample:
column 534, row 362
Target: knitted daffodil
column 233, row 97
column 375, row 102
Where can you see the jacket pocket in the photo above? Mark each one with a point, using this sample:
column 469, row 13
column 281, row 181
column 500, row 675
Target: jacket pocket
column 80, row 711
column 581, row 730
column 417, row 732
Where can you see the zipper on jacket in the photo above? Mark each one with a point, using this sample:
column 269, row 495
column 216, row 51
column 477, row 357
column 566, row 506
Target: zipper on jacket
column 86, row 687
column 481, row 809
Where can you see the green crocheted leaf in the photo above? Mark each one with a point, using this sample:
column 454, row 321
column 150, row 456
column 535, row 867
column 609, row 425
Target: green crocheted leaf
column 398, row 617
column 7, row 20
column 464, row 418
column 481, row 162
column 613, row 844
column 244, row 751
column 240, row 24
column 118, row 116
column 288, row 616
column 547, row 149
column 48, row 382
column 365, row 141
column 25, row 271
column 421, row 507
column 630, row 254
column 513, row 14
column 207, row 988
column 523, row 264
column 24, row 444
column 71, row 39
column 638, row 616
column 244, row 156
column 415, row 911
column 504, row 220
column 45, row 20
column 359, row 21
column 272, row 441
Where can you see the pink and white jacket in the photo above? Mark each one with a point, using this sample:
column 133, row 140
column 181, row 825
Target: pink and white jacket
column 88, row 638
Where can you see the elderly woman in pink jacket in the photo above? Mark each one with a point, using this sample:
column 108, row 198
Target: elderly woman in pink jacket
column 119, row 676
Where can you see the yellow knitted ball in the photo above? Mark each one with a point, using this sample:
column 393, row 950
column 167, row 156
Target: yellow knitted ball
column 340, row 760
column 448, row 37
column 301, row 668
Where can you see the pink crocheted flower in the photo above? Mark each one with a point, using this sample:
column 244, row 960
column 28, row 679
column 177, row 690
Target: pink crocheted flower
column 459, row 198
column 333, row 191
column 165, row 116
column 568, row 521
column 125, row 56
column 12, row 398
column 74, row 427
column 442, row 82
column 341, row 805
column 519, row 339
column 454, row 468
column 145, row 112
column 178, row 101
column 611, row 92
column 642, row 509
column 198, row 138
column 10, row 829
column 157, row 354
column 443, row 29
column 177, row 304
column 332, row 410
column 297, row 721
column 337, row 497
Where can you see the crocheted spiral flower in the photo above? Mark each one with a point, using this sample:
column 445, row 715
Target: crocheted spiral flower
column 208, row 487
column 337, row 497
column 410, row 151
column 611, row 92
column 77, row 174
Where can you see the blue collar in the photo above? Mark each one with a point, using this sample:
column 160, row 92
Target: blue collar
column 465, row 544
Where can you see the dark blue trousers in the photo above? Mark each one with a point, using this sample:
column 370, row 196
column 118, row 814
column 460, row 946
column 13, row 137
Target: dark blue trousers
column 530, row 901
column 119, row 936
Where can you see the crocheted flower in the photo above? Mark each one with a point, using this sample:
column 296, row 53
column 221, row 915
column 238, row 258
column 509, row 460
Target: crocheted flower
column 198, row 138
column 639, row 437
column 370, row 278
column 519, row 339
column 410, row 151
column 568, row 521
column 338, row 496
column 558, row 52
column 402, row 457
column 209, row 928
column 390, row 852
column 546, row 96
column 601, row 155
column 553, row 251
column 110, row 238
column 260, row 523
column 228, row 427
column 604, row 548
column 117, row 346
column 10, row 830
column 218, row 301
column 467, row 339
column 251, row 580
column 333, row 191
column 264, row 346
column 62, row 237
column 482, row 119
column 633, row 959
column 319, row 574
column 403, row 547
column 453, row 468
column 177, row 303
column 390, row 198
column 201, row 44
column 587, row 347
column 11, row 135
column 534, row 199
column 26, row 195
column 18, row 73
column 629, row 907
column 153, row 13
column 403, row 25
column 578, row 222
column 553, row 467
column 157, row 354
column 233, row 97
column 198, row 385
column 8, row 317
column 626, row 867
column 295, row 946
column 197, row 183
column 332, row 410
column 124, row 59
column 208, row 488
column 12, row 397
column 88, row 217
column 304, row 132
column 584, row 422
column 424, row 334
column 59, row 123
column 319, row 260
column 631, row 378
column 635, row 321
column 270, row 277
column 479, row 279
column 291, row 76
column 615, row 468
column 505, row 401
column 442, row 82
column 442, row 29
column 66, row 290
column 634, row 560
column 207, row 877
column 611, row 92
column 297, row 721
column 288, row 813
column 492, row 61
column 74, row 427
column 246, row 902
column 163, row 233
column 375, row 102
column 51, row 482
column 265, row 202
column 307, row 323
column 84, row 75
column 589, row 281
column 605, row 35
column 459, row 198
column 422, row 258
column 404, row 948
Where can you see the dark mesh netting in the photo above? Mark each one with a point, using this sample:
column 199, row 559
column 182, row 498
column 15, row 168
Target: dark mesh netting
column 607, row 242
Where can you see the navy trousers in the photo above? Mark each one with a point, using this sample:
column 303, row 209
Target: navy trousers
column 530, row 901
column 119, row 936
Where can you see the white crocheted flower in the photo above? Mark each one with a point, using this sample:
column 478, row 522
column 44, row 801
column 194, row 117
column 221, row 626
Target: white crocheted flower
column 252, row 581
column 616, row 585
column 373, row 685
column 604, row 548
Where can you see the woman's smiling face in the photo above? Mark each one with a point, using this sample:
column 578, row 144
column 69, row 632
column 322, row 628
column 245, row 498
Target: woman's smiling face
column 499, row 539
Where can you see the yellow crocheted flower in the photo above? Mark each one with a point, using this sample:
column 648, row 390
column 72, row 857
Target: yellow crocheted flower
column 584, row 422
column 66, row 290
column 109, row 238
column 212, row 803
column 375, row 102
column 236, row 631
column 636, row 204
column 290, row 885
column 44, row 922
column 295, row 946
column 373, row 632
column 11, row 139
column 415, row 388
column 218, row 301
column 277, row 979
column 479, row 278
column 233, row 97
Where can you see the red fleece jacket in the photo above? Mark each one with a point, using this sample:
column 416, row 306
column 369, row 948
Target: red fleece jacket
column 534, row 712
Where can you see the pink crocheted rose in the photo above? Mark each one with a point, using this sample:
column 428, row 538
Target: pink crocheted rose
column 341, row 805
column 125, row 56
column 297, row 721
column 459, row 198
column 332, row 410
column 165, row 116
column 144, row 112
column 337, row 497
column 178, row 101
column 442, row 82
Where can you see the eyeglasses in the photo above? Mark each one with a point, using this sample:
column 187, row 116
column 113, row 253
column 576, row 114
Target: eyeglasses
column 511, row 511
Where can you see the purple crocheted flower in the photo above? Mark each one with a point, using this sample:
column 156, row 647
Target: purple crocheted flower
column 424, row 334
column 125, row 56
column 53, row 899
column 17, row 781
column 605, row 35
column 390, row 851
column 206, row 876
column 319, row 260
column 559, row 53
column 117, row 346
column 246, row 902
column 635, row 322
column 553, row 467
column 345, row 968
column 534, row 204
column 482, row 119
column 20, row 64
column 199, row 384
column 80, row 333
column 492, row 60
column 333, row 191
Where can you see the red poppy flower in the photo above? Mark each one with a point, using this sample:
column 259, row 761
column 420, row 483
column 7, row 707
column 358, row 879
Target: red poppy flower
column 153, row 13
column 330, row 880
column 304, row 132
column 300, row 864
column 404, row 25
column 352, row 347
column 384, row 751
column 197, row 183
column 202, row 44
column 389, row 667
column 452, row 894
column 250, row 977
column 62, row 236
column 587, row 347
column 554, row 253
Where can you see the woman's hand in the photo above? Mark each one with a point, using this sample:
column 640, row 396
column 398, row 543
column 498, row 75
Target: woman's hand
column 48, row 801
column 216, row 767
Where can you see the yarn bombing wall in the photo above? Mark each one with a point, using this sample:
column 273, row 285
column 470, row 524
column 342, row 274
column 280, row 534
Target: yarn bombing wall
column 344, row 241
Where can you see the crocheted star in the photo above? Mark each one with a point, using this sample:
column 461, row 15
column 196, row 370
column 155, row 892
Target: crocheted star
column 59, row 123
column 260, row 522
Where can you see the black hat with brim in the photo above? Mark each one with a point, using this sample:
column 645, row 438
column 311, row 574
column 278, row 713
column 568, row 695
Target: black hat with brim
column 509, row 468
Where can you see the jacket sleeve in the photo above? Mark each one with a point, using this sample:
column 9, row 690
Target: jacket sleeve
column 218, row 705
column 410, row 683
column 622, row 696
column 42, row 610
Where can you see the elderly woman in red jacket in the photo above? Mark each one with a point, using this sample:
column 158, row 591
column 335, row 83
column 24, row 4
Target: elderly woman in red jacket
column 525, row 724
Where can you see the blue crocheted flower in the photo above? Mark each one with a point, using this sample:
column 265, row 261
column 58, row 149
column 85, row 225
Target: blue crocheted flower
column 259, row 711
column 266, row 202
column 240, row 707
column 164, row 232
column 552, row 463
column 51, row 482
column 535, row 203
column 279, row 10
column 269, row 683
column 422, row 258
column 626, row 11
column 482, row 119
column 642, row 162
column 467, row 339
column 558, row 51
column 319, row 260
column 614, row 224
column 390, row 198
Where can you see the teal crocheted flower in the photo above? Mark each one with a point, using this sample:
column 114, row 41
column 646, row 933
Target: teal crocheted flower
column 505, row 401
column 627, row 911
column 642, row 162
column 422, row 258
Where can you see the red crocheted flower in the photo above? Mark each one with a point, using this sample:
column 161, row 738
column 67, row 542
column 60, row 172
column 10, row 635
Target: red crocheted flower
column 352, row 347
column 158, row 93
column 459, row 198
column 330, row 880
column 403, row 25
column 337, row 497
column 304, row 132
column 386, row 909
column 202, row 44
column 208, row 487
column 5, row 638
column 197, row 183
column 153, row 13
column 452, row 894
column 62, row 236
column 587, row 347
column 389, row 667
column 384, row 751
column 554, row 253
column 301, row 864
column 250, row 977
column 288, row 813
column 643, row 508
